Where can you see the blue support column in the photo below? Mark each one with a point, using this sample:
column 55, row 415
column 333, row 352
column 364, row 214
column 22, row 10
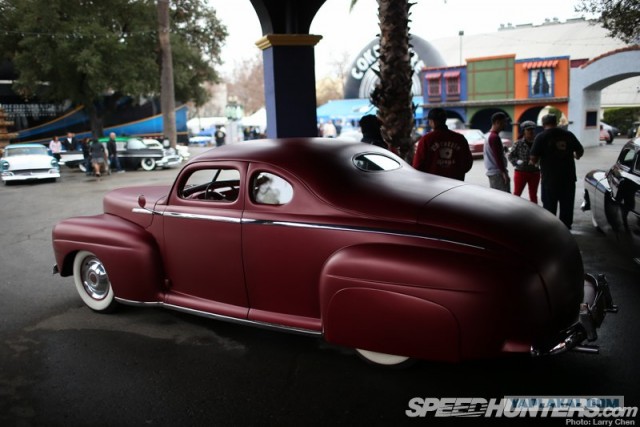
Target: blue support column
column 289, row 83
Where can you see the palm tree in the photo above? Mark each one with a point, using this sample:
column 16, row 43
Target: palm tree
column 392, row 94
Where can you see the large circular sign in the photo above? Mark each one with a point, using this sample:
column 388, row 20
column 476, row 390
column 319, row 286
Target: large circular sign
column 363, row 78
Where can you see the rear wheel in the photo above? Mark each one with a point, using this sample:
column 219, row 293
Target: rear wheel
column 92, row 282
column 148, row 164
column 383, row 359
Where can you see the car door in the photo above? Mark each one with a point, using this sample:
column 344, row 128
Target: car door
column 621, row 170
column 202, row 239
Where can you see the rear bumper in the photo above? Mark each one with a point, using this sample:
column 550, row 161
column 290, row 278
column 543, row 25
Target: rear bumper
column 597, row 302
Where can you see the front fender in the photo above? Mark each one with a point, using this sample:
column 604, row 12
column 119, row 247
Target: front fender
column 128, row 252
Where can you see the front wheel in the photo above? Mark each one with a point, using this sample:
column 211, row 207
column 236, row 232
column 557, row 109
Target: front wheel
column 383, row 359
column 148, row 164
column 92, row 282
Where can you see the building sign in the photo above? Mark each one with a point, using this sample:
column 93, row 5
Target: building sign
column 363, row 78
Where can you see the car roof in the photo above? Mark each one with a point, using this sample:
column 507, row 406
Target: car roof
column 327, row 167
column 24, row 145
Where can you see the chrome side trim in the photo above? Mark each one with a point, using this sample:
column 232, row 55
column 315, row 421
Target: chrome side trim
column 358, row 230
column 264, row 325
column 142, row 211
column 234, row 220
column 203, row 217
column 139, row 303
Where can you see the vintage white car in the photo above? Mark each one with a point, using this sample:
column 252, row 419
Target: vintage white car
column 25, row 162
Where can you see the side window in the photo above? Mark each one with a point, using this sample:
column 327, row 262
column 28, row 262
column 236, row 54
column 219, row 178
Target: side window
column 636, row 167
column 213, row 184
column 270, row 189
column 626, row 157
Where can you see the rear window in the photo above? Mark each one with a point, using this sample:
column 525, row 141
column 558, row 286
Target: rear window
column 375, row 162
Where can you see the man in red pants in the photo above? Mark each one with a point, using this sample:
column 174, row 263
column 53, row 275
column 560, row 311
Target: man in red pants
column 525, row 174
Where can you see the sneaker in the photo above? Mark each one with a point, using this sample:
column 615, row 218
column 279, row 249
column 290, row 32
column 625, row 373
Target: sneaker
column 121, row 171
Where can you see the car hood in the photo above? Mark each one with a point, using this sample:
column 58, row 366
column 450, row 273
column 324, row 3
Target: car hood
column 30, row 161
column 521, row 232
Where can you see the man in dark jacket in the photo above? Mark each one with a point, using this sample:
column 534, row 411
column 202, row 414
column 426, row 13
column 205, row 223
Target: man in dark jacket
column 556, row 149
column 112, row 148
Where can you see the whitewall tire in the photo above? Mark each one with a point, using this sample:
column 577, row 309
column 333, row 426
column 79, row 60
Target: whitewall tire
column 384, row 359
column 148, row 164
column 92, row 282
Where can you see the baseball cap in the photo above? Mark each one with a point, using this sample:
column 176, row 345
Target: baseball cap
column 528, row 124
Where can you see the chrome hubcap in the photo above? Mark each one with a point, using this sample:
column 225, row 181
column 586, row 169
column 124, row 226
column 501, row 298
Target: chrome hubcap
column 94, row 278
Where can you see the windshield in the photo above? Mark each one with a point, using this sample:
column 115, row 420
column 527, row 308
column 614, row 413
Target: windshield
column 24, row 151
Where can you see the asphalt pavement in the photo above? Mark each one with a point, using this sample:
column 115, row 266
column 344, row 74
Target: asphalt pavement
column 63, row 365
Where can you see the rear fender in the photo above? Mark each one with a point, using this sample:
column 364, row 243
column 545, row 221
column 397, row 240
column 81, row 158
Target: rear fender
column 432, row 303
column 374, row 297
column 128, row 252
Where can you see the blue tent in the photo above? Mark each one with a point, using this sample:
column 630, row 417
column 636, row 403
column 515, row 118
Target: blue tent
column 354, row 109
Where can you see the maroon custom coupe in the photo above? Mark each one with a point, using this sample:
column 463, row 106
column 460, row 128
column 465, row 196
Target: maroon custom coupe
column 341, row 240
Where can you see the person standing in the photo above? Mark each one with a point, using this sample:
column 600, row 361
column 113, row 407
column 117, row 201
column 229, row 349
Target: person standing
column 370, row 127
column 86, row 155
column 219, row 135
column 70, row 142
column 98, row 157
column 442, row 151
column 495, row 160
column 525, row 174
column 555, row 148
column 112, row 150
column 56, row 147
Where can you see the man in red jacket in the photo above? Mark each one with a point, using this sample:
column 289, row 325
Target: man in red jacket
column 442, row 151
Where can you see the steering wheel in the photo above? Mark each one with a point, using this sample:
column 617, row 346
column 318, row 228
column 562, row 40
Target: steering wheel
column 212, row 194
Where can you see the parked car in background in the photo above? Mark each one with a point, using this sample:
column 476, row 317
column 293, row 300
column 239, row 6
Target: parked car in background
column 181, row 149
column 605, row 135
column 201, row 141
column 134, row 154
column 374, row 255
column 171, row 157
column 613, row 197
column 612, row 130
column 28, row 162
column 476, row 140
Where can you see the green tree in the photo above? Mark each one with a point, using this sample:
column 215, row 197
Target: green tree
column 93, row 53
column 620, row 17
column 392, row 95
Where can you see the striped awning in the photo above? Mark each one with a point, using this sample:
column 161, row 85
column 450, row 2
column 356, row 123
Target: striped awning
column 451, row 74
column 432, row 76
column 550, row 63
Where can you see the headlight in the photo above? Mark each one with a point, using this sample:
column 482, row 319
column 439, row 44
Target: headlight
column 4, row 165
column 54, row 163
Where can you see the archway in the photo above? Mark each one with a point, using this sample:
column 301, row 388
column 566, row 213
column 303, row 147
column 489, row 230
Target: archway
column 587, row 82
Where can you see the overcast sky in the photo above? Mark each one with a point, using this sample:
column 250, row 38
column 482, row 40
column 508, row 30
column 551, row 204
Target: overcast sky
column 346, row 33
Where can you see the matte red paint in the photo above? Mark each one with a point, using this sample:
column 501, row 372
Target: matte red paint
column 395, row 261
